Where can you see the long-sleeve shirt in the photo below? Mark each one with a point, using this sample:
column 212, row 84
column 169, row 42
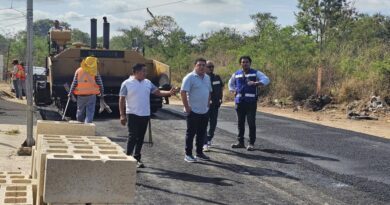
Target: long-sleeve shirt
column 98, row 81
column 261, row 77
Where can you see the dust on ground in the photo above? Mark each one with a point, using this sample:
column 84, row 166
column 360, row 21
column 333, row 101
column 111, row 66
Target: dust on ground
column 6, row 94
column 331, row 118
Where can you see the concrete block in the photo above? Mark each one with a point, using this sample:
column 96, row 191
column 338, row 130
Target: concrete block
column 7, row 178
column 73, row 139
column 70, row 149
column 33, row 171
column 65, row 128
column 82, row 178
column 17, row 194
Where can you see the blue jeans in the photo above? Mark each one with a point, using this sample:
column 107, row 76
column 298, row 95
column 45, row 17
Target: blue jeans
column 18, row 88
column 85, row 108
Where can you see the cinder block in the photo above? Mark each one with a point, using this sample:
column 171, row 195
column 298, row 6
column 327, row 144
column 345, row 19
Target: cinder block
column 7, row 178
column 71, row 149
column 65, row 128
column 73, row 139
column 107, row 179
column 33, row 172
column 17, row 194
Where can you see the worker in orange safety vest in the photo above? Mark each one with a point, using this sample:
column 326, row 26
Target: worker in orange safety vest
column 86, row 85
column 18, row 75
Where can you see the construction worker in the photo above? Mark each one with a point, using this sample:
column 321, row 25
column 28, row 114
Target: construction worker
column 134, row 108
column 86, row 84
column 18, row 75
column 243, row 84
column 216, row 101
column 56, row 27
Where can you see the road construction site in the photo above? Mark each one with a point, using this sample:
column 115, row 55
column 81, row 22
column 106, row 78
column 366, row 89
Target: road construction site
column 294, row 162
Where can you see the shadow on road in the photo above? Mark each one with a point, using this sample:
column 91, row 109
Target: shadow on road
column 298, row 154
column 251, row 156
column 181, row 194
column 247, row 170
column 163, row 173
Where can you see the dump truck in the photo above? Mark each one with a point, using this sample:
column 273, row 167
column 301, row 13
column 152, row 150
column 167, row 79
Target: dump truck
column 114, row 66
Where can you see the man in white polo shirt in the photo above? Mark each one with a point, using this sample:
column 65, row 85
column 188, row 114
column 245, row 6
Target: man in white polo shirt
column 134, row 95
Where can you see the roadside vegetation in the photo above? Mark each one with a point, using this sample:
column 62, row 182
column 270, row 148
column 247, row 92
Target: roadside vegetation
column 350, row 49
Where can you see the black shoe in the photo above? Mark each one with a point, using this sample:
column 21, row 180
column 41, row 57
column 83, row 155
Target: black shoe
column 238, row 145
column 202, row 157
column 140, row 164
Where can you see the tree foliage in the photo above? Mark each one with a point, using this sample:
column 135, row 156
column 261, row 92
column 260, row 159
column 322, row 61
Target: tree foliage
column 354, row 49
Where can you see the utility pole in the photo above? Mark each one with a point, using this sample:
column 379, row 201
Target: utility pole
column 29, row 84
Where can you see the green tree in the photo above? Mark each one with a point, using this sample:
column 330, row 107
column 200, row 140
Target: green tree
column 79, row 36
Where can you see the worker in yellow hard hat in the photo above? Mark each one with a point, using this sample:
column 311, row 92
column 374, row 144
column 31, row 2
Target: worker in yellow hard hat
column 86, row 84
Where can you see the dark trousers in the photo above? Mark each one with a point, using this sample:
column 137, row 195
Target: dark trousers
column 213, row 116
column 137, row 127
column 196, row 125
column 248, row 110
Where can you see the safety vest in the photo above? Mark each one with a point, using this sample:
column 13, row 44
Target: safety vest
column 20, row 74
column 86, row 84
column 245, row 93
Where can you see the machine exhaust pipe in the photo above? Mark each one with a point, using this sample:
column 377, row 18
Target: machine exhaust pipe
column 106, row 33
column 93, row 33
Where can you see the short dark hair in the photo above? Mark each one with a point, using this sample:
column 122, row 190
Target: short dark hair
column 15, row 61
column 138, row 67
column 199, row 59
column 245, row 57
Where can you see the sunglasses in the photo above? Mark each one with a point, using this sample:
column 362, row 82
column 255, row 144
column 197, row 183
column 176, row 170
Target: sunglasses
column 210, row 66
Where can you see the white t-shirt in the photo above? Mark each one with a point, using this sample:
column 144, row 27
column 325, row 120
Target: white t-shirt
column 137, row 95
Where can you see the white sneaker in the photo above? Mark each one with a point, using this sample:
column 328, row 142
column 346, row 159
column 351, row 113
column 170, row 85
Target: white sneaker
column 206, row 148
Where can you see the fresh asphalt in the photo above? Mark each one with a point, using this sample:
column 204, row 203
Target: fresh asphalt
column 294, row 162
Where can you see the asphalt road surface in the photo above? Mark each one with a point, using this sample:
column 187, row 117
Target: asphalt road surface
column 294, row 163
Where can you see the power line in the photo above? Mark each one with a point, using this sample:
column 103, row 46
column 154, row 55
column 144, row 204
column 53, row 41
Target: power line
column 15, row 23
column 11, row 18
column 143, row 8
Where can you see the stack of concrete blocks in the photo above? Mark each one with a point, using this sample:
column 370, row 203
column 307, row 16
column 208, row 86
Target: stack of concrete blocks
column 78, row 169
column 17, row 188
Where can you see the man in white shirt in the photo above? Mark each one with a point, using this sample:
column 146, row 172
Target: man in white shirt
column 134, row 108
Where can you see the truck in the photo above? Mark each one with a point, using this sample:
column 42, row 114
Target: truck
column 114, row 66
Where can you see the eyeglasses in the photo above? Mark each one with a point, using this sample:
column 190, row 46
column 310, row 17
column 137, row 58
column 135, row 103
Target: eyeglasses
column 210, row 66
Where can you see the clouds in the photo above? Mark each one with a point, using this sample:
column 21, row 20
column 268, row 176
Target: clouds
column 72, row 16
column 372, row 6
column 194, row 16
column 215, row 26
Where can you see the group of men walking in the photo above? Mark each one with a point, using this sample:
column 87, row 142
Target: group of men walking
column 201, row 93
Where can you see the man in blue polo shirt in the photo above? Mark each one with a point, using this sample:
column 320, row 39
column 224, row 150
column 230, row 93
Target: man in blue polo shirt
column 195, row 94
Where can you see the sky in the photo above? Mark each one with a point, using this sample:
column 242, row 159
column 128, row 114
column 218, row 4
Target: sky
column 194, row 16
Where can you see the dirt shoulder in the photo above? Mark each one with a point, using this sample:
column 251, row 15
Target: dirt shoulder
column 6, row 94
column 332, row 118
